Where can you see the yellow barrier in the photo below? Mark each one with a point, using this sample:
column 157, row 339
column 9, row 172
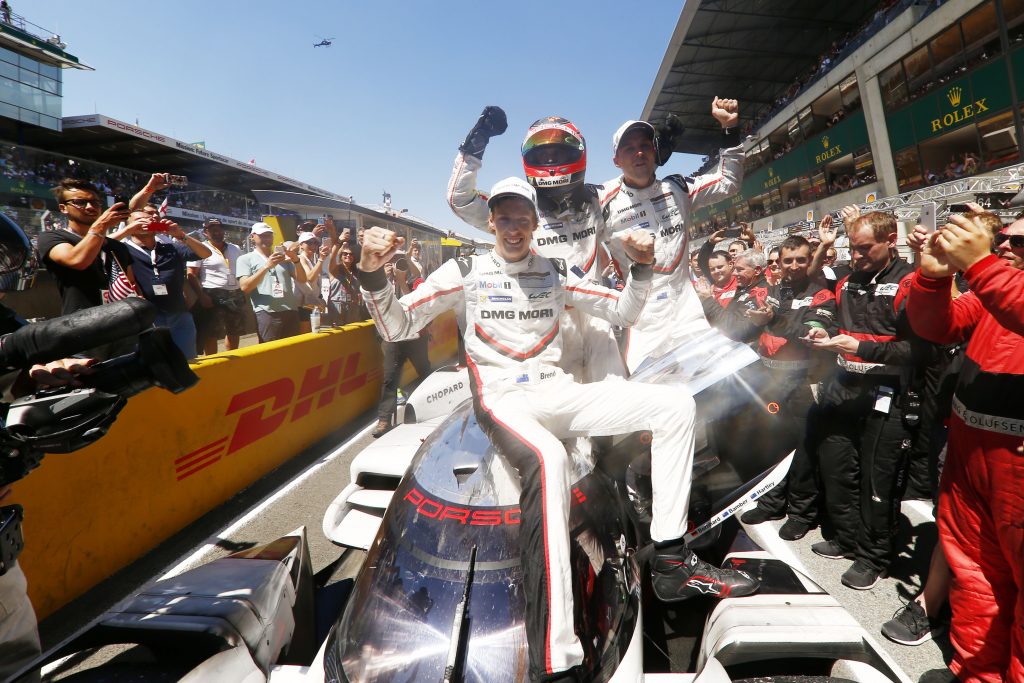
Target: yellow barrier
column 171, row 458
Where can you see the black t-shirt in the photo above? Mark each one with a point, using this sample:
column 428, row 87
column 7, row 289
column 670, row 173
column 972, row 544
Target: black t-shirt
column 81, row 288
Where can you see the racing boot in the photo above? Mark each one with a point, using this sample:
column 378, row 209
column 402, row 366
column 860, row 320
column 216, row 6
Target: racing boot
column 678, row 574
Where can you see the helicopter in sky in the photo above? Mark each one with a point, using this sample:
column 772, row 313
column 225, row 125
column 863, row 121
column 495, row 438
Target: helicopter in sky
column 324, row 42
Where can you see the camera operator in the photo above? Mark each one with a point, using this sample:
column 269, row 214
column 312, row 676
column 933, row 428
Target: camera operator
column 160, row 273
column 19, row 633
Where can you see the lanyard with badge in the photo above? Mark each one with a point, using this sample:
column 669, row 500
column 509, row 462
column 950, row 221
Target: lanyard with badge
column 159, row 288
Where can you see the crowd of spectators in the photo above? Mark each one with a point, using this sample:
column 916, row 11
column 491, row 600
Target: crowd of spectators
column 868, row 353
column 45, row 169
column 203, row 285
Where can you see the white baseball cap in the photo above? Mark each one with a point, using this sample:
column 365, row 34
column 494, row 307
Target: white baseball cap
column 306, row 237
column 512, row 186
column 628, row 126
column 260, row 228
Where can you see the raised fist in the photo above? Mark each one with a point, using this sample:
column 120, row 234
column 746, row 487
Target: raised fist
column 492, row 122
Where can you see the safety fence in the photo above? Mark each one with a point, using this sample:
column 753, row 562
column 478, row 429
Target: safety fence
column 169, row 459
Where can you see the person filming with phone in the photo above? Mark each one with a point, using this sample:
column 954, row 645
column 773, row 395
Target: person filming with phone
column 268, row 275
column 160, row 269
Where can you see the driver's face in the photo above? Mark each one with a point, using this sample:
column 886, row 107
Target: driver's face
column 635, row 155
column 513, row 222
column 551, row 155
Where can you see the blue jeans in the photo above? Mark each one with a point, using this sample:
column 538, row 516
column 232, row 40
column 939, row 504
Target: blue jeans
column 183, row 330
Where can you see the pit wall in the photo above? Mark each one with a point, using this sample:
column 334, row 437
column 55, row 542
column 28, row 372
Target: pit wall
column 169, row 458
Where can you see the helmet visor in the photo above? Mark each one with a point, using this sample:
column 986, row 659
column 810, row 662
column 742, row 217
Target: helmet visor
column 552, row 147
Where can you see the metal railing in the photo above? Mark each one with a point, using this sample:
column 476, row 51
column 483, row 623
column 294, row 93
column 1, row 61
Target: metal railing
column 25, row 26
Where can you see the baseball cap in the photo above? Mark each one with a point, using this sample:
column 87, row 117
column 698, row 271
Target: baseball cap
column 512, row 187
column 260, row 228
column 212, row 222
column 628, row 126
column 306, row 237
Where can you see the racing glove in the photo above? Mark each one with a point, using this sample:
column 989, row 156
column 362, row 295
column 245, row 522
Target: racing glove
column 492, row 122
column 666, row 134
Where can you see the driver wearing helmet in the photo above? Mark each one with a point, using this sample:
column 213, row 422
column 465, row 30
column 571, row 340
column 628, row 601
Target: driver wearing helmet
column 572, row 226
column 512, row 299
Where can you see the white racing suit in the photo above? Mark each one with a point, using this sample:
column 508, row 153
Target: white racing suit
column 664, row 208
column 527, row 404
column 589, row 351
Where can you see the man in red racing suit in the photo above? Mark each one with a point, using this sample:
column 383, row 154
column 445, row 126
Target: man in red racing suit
column 981, row 496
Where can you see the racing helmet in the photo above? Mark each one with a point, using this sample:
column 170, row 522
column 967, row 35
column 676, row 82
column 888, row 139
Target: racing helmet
column 17, row 262
column 554, row 155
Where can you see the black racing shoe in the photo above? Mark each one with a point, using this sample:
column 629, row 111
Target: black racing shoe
column 794, row 530
column 683, row 575
column 831, row 550
column 937, row 676
column 910, row 625
column 759, row 516
column 861, row 577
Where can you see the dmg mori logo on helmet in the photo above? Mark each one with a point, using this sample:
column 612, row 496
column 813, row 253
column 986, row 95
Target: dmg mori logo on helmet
column 954, row 94
column 824, row 142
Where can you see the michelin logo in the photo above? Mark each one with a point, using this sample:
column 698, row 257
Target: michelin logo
column 499, row 298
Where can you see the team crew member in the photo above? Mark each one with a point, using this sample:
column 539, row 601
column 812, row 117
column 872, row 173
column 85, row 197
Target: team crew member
column 981, row 496
column 512, row 299
column 864, row 441
column 794, row 306
column 638, row 201
column 751, row 295
column 571, row 221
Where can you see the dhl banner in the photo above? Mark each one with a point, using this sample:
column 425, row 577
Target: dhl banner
column 169, row 458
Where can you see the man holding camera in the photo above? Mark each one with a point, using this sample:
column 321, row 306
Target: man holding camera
column 221, row 305
column 268, row 275
column 159, row 269
column 81, row 257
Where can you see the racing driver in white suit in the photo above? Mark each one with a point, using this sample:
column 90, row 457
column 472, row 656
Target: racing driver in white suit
column 638, row 201
column 512, row 299
column 572, row 225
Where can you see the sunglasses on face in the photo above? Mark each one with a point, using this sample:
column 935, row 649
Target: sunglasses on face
column 1016, row 241
column 81, row 203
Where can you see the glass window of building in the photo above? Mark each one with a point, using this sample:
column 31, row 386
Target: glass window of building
column 998, row 142
column 981, row 35
column 1013, row 14
column 850, row 94
column 942, row 158
column 919, row 70
column 894, row 86
column 819, row 184
column 794, row 134
column 864, row 166
column 908, row 169
column 947, row 54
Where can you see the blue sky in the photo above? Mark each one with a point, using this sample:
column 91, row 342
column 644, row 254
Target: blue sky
column 385, row 106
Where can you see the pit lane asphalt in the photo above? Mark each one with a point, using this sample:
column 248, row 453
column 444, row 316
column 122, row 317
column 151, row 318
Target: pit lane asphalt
column 299, row 492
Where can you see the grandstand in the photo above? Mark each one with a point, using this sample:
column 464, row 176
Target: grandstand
column 846, row 103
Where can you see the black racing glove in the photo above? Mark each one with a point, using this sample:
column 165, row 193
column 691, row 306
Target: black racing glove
column 492, row 122
column 666, row 134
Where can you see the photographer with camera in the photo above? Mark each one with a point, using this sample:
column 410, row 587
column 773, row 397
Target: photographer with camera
column 159, row 269
column 82, row 258
column 75, row 402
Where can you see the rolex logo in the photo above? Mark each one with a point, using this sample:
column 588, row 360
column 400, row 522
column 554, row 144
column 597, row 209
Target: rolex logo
column 954, row 94
column 824, row 142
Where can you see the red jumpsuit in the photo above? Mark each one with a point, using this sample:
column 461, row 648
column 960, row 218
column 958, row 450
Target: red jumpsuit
column 981, row 496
